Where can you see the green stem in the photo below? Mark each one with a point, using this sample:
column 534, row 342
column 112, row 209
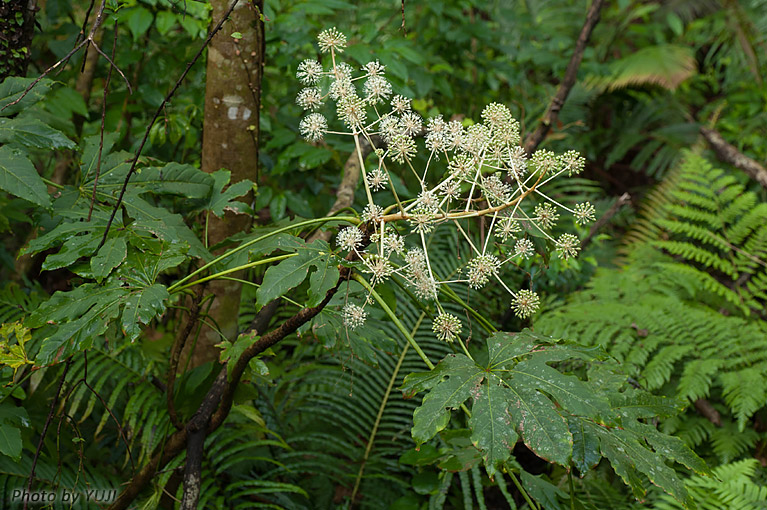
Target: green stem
column 51, row 183
column 402, row 329
column 381, row 408
column 572, row 489
column 487, row 325
column 523, row 491
column 465, row 350
column 349, row 219
column 395, row 320
column 252, row 284
column 215, row 276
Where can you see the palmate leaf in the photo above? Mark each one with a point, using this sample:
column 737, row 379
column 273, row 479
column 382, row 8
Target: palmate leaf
column 141, row 306
column 221, row 200
column 10, row 441
column 82, row 315
column 19, row 177
column 291, row 272
column 559, row 416
column 458, row 377
column 171, row 179
column 111, row 255
column 490, row 424
column 33, row 133
column 12, row 88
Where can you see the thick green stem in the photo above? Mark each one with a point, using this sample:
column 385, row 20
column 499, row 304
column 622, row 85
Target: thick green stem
column 215, row 276
column 523, row 491
column 395, row 320
column 349, row 219
column 381, row 408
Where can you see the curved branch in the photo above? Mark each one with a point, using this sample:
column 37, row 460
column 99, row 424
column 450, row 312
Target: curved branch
column 535, row 138
column 730, row 154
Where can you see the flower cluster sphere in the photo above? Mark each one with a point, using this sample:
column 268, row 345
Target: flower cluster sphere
column 473, row 172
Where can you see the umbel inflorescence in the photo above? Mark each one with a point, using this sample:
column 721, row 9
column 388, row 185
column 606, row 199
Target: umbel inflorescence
column 473, row 172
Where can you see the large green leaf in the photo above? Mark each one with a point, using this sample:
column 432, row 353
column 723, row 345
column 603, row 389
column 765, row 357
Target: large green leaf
column 459, row 377
column 12, row 89
column 141, row 306
column 19, row 177
column 524, row 391
column 492, row 431
column 569, row 391
column 33, row 133
column 163, row 224
column 71, row 251
column 111, row 255
column 221, row 200
column 80, row 316
column 10, row 441
column 291, row 272
column 322, row 280
column 173, row 179
column 585, row 447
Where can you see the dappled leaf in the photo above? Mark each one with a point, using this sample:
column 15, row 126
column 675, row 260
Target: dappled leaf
column 492, row 431
column 109, row 256
column 140, row 307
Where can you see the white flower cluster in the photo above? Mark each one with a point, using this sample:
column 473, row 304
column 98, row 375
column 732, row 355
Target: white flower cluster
column 471, row 172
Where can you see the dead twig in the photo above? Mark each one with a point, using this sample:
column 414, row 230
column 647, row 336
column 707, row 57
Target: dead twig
column 606, row 217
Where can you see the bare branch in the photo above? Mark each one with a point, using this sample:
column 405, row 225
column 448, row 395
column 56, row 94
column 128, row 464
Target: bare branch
column 731, row 155
column 48, row 420
column 606, row 217
column 96, row 24
column 535, row 138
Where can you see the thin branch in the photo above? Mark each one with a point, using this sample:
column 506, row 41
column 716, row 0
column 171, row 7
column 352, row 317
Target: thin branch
column 175, row 355
column 48, row 420
column 606, row 217
column 731, row 155
column 103, row 121
column 535, row 138
column 120, row 429
column 217, row 403
column 96, row 24
column 113, row 65
column 157, row 113
column 404, row 32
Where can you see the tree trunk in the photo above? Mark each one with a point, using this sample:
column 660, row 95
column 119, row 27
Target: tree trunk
column 230, row 141
column 17, row 26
